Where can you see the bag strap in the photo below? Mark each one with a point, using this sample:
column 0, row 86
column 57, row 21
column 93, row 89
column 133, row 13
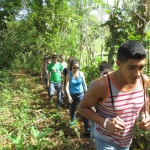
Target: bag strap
column 144, row 93
column 111, row 94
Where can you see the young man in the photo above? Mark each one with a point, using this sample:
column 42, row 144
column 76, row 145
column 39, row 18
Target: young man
column 62, row 61
column 54, row 81
column 117, row 114
column 104, row 68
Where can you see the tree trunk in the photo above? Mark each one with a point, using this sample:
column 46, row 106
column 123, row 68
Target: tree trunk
column 110, row 56
column 142, row 18
column 148, row 58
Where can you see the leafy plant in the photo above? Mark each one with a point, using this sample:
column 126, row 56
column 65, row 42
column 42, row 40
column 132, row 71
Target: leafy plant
column 76, row 128
column 39, row 141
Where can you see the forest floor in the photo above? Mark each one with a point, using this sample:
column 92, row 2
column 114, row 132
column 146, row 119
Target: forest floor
column 31, row 121
column 84, row 138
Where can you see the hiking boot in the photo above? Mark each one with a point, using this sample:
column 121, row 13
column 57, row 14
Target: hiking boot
column 87, row 130
column 91, row 143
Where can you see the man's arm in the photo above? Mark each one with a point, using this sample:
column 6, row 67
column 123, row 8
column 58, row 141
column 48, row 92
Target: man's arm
column 49, row 73
column 61, row 69
column 98, row 90
column 48, row 77
column 90, row 99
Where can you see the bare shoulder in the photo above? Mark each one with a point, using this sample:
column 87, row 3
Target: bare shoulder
column 98, row 89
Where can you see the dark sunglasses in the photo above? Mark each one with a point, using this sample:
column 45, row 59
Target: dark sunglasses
column 75, row 67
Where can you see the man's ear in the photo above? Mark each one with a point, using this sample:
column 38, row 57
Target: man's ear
column 118, row 63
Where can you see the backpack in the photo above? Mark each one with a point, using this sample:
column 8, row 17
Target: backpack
column 65, row 72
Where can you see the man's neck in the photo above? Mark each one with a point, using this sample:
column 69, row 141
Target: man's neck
column 120, row 81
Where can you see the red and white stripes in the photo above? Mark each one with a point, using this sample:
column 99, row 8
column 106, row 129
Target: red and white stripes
column 127, row 106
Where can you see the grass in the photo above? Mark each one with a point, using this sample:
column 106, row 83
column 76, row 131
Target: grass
column 28, row 120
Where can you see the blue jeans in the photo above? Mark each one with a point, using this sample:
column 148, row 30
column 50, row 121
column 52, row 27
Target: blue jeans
column 62, row 94
column 103, row 143
column 77, row 98
column 52, row 87
column 92, row 129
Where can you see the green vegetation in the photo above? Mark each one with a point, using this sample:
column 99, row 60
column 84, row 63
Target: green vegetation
column 29, row 120
column 75, row 28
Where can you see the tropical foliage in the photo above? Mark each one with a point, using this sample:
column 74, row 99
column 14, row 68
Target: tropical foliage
column 89, row 30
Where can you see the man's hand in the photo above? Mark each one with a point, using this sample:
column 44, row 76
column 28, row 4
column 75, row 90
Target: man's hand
column 114, row 125
column 145, row 122
column 47, row 85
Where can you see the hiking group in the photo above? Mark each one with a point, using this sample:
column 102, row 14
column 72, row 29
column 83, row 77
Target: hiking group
column 112, row 103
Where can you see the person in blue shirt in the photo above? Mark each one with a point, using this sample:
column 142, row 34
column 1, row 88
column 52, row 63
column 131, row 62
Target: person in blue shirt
column 75, row 90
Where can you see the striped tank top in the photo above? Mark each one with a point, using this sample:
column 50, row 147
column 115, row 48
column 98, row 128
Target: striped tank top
column 127, row 106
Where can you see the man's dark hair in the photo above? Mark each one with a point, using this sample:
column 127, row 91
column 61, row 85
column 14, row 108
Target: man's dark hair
column 104, row 65
column 131, row 50
column 45, row 59
column 54, row 56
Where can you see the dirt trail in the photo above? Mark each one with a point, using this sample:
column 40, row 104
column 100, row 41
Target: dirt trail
column 84, row 138
column 45, row 103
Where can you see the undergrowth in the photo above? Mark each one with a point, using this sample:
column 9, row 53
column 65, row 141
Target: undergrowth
column 29, row 122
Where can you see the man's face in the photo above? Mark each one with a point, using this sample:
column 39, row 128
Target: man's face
column 62, row 58
column 55, row 60
column 132, row 69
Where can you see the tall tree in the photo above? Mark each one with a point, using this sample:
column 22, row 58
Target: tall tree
column 126, row 20
column 140, row 12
